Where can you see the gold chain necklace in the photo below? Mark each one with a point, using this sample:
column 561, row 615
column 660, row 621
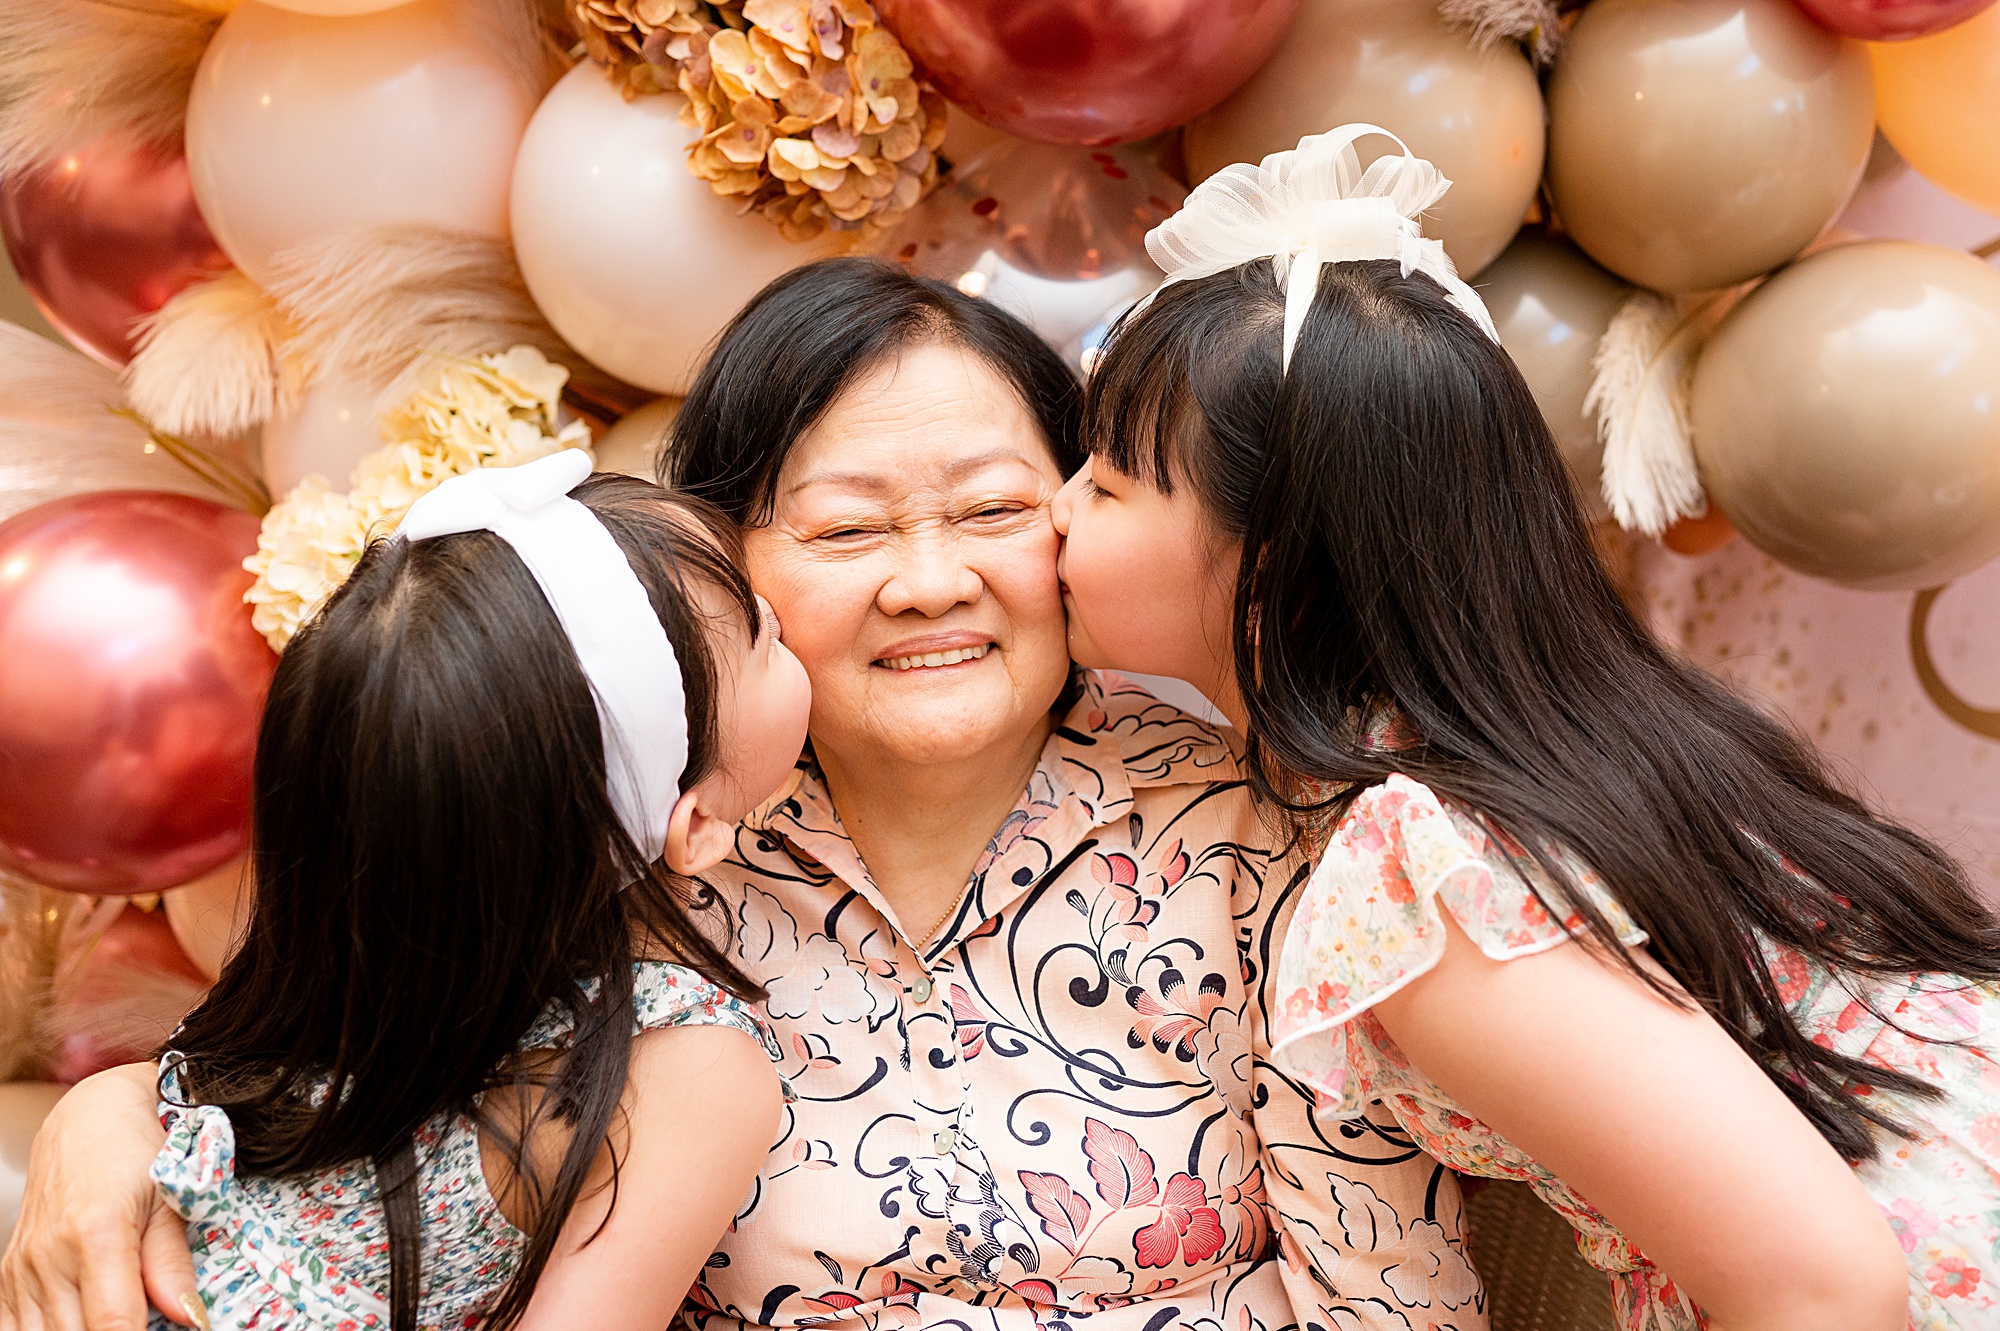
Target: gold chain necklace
column 949, row 911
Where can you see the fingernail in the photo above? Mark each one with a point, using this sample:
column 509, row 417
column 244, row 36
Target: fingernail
column 197, row 1312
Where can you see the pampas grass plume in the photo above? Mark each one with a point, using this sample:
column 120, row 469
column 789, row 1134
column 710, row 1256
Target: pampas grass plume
column 1639, row 394
column 211, row 362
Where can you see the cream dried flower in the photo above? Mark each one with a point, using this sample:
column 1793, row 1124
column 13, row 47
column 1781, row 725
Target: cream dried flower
column 809, row 110
column 499, row 410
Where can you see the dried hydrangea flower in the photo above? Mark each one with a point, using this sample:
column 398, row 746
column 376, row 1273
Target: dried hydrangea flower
column 498, row 410
column 809, row 110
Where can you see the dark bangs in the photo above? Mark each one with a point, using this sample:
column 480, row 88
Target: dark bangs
column 1185, row 387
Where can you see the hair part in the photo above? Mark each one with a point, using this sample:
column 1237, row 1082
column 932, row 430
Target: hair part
column 806, row 338
column 1411, row 538
column 438, row 865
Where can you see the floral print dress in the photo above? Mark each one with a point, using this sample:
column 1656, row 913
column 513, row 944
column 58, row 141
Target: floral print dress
column 1060, row 1113
column 311, row 1252
column 1372, row 921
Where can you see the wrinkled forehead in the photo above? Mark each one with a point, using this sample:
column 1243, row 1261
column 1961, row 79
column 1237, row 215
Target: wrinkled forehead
column 932, row 419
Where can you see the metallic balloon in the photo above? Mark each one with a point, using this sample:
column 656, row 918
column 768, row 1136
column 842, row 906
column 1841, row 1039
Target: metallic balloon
column 1056, row 236
column 1939, row 102
column 1694, row 144
column 635, row 261
column 299, row 127
column 1551, row 305
column 1847, row 415
column 1891, row 20
column 1476, row 114
column 130, row 688
column 1087, row 71
column 105, row 236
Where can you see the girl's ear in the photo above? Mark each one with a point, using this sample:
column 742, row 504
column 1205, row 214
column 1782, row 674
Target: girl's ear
column 697, row 839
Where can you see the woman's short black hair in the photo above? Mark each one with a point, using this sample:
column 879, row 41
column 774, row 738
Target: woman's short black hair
column 790, row 353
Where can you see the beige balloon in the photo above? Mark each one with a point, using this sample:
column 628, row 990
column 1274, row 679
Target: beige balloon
column 1476, row 114
column 1694, row 144
column 23, row 1106
column 632, row 444
column 208, row 916
column 1551, row 306
column 1847, row 415
column 300, row 126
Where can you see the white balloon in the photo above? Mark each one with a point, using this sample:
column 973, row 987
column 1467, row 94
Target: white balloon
column 326, row 434
column 634, row 260
column 301, row 127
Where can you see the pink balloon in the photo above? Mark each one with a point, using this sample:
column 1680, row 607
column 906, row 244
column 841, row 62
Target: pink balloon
column 104, row 237
column 1088, row 71
column 131, row 684
column 1891, row 20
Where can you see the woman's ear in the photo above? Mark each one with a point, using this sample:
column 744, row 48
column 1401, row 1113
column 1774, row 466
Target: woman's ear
column 697, row 839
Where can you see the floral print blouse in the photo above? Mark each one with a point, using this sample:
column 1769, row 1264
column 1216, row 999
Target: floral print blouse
column 1062, row 1110
column 310, row 1252
column 1372, row 920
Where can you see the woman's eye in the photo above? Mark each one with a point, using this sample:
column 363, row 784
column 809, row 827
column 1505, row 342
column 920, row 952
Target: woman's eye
column 843, row 533
column 994, row 511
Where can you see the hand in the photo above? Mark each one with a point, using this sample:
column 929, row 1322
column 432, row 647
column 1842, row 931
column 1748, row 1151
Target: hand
column 95, row 1239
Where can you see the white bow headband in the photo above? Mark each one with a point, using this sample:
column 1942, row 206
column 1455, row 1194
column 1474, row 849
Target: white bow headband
column 1307, row 206
column 633, row 673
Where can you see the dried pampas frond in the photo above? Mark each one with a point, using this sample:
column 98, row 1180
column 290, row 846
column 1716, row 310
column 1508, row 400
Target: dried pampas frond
column 59, row 434
column 1639, row 394
column 74, row 70
column 531, row 36
column 211, row 363
column 1536, row 24
column 371, row 306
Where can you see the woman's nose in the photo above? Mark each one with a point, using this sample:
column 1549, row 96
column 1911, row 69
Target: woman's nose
column 930, row 578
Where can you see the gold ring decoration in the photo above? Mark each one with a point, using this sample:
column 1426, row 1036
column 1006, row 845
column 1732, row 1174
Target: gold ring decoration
column 1980, row 721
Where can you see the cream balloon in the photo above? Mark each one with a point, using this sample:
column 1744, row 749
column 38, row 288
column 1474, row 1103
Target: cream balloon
column 1847, row 415
column 301, row 127
column 23, row 1106
column 633, row 443
column 635, row 261
column 208, row 915
column 325, row 435
column 1694, row 144
column 1551, row 306
column 1476, row 114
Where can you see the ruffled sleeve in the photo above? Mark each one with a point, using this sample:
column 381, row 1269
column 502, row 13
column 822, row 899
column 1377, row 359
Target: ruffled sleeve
column 1370, row 922
column 665, row 993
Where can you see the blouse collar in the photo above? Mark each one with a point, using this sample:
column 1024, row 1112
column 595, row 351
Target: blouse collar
column 1115, row 739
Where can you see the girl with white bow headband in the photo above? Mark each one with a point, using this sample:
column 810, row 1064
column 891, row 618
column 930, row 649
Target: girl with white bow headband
column 475, row 1063
column 1764, row 1084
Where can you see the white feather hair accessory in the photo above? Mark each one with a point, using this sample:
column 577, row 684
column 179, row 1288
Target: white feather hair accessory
column 1311, row 205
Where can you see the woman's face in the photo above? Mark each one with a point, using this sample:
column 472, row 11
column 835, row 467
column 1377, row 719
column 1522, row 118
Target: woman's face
column 912, row 562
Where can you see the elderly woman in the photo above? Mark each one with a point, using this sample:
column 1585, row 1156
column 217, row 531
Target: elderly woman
column 1016, row 921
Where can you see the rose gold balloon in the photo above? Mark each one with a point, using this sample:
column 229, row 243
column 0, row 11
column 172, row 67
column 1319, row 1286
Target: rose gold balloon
column 131, row 989
column 1551, row 306
column 1847, row 415
column 1087, row 71
column 130, row 687
column 1697, row 143
column 1476, row 114
column 1055, row 236
column 104, row 237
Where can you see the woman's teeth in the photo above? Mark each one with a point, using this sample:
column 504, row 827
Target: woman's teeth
column 952, row 657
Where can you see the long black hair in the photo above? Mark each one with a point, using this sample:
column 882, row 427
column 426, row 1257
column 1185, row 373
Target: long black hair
column 1411, row 538
column 438, row 863
column 808, row 335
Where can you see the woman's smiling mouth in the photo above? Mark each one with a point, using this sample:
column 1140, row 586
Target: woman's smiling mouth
column 933, row 659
